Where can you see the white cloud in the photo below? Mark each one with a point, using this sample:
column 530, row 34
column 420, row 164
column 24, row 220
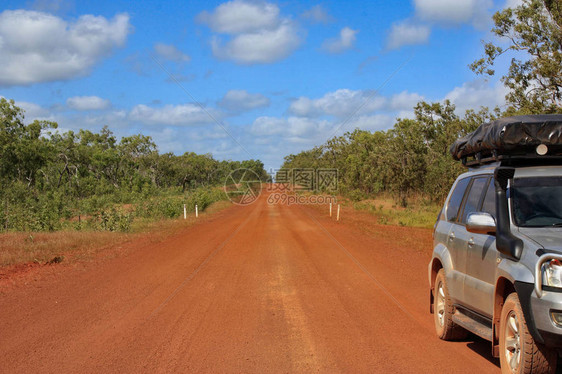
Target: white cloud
column 473, row 95
column 440, row 12
column 115, row 119
column 317, row 14
column 293, row 128
column 265, row 46
column 34, row 111
column 342, row 43
column 368, row 108
column 281, row 136
column 210, row 133
column 454, row 12
column 177, row 115
column 171, row 53
column 240, row 100
column 257, row 35
column 199, row 140
column 405, row 33
column 375, row 122
column 404, row 100
column 39, row 47
column 338, row 103
column 239, row 16
column 304, row 106
column 344, row 102
column 87, row 103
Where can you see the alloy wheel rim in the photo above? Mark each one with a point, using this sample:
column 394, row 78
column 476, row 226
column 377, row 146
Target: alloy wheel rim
column 512, row 341
column 440, row 306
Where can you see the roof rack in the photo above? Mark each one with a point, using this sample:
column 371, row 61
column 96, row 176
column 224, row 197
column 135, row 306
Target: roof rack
column 527, row 159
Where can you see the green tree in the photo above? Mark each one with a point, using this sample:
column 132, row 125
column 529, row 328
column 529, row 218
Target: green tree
column 533, row 30
column 23, row 150
column 137, row 159
column 408, row 151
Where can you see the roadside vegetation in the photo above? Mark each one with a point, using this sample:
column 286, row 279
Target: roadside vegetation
column 82, row 245
column 52, row 181
column 75, row 193
column 411, row 162
column 419, row 212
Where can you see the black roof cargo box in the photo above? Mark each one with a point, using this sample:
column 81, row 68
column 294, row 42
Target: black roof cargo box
column 516, row 136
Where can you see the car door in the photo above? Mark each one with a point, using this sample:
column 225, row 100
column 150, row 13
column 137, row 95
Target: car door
column 454, row 240
column 481, row 261
column 459, row 236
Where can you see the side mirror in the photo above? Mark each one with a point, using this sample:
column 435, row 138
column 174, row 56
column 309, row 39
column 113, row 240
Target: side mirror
column 481, row 223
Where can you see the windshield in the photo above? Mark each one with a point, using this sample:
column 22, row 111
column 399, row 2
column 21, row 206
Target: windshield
column 537, row 201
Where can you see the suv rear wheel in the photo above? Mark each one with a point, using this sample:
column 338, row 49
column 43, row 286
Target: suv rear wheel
column 443, row 311
column 518, row 351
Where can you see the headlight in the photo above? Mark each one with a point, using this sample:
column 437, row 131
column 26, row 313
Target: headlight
column 552, row 273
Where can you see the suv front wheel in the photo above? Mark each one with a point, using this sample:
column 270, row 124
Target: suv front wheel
column 443, row 311
column 518, row 351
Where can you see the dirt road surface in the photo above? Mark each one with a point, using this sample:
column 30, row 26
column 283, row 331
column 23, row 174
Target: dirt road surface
column 256, row 289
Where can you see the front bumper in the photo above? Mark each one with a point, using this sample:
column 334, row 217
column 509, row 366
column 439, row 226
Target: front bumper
column 541, row 308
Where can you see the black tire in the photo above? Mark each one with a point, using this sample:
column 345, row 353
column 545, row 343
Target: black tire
column 443, row 311
column 518, row 351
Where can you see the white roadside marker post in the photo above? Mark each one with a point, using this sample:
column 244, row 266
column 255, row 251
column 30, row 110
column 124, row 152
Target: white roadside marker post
column 196, row 211
column 338, row 217
column 184, row 212
column 330, row 209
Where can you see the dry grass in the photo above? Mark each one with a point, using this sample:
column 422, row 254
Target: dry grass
column 418, row 213
column 45, row 247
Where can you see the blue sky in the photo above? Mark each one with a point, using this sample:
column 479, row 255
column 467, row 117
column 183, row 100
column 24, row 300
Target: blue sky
column 242, row 79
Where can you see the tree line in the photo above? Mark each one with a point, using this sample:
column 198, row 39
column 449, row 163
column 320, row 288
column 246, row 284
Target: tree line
column 47, row 176
column 409, row 159
column 412, row 158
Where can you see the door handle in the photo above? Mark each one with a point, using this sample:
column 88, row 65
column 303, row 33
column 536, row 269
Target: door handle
column 452, row 236
column 470, row 242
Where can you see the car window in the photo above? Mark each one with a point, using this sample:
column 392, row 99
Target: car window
column 472, row 202
column 489, row 204
column 456, row 199
column 537, row 201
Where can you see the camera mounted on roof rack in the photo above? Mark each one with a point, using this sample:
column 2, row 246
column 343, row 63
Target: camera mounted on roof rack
column 531, row 139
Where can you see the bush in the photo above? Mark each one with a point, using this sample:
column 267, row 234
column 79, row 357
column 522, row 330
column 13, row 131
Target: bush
column 114, row 220
column 172, row 206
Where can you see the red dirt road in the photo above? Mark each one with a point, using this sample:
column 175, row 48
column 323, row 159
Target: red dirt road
column 261, row 288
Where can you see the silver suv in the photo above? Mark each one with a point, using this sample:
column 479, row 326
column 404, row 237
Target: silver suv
column 496, row 268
